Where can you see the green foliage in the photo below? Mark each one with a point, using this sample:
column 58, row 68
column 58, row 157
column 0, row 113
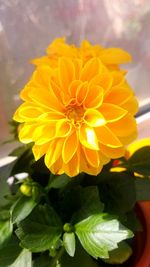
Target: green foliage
column 69, row 243
column 142, row 186
column 90, row 203
column 10, row 252
column 5, row 231
column 22, row 208
column 117, row 191
column 120, row 254
column 140, row 161
column 41, row 230
column 100, row 234
column 58, row 181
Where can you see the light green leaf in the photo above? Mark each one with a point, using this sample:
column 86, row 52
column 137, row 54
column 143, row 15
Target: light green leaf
column 5, row 231
column 41, row 230
column 120, row 254
column 69, row 243
column 90, row 203
column 140, row 161
column 142, row 186
column 22, row 208
column 100, row 234
column 24, row 259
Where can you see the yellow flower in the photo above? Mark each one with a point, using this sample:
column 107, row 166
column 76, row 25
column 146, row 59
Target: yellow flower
column 111, row 57
column 78, row 115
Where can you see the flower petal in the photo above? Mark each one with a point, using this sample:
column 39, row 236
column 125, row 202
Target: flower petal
column 70, row 147
column 73, row 167
column 63, row 128
column 82, row 92
column 123, row 127
column 91, row 69
column 94, row 97
column 112, row 112
column 131, row 105
column 26, row 132
column 112, row 153
column 118, row 95
column 94, row 118
column 54, row 152
column 88, row 137
column 27, row 112
column 44, row 133
column 73, row 87
column 115, row 56
column 104, row 80
column 39, row 151
column 66, row 73
column 92, row 157
column 107, row 137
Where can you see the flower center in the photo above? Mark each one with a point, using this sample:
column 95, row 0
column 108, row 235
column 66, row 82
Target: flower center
column 75, row 114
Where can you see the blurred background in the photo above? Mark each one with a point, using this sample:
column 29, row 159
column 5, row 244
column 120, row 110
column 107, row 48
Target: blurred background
column 28, row 26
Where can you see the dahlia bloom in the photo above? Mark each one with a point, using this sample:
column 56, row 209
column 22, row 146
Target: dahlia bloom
column 110, row 57
column 78, row 114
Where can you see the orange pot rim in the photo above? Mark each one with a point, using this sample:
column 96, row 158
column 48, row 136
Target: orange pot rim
column 144, row 260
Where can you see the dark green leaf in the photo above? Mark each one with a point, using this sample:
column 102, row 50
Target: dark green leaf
column 90, row 203
column 120, row 254
column 22, row 208
column 80, row 259
column 140, row 161
column 100, row 234
column 142, row 189
column 117, row 191
column 10, row 252
column 69, row 243
column 5, row 231
column 41, row 230
column 58, row 181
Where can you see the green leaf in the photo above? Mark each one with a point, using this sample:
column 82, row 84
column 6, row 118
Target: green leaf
column 120, row 254
column 22, row 208
column 58, row 181
column 81, row 258
column 69, row 243
column 5, row 231
column 117, row 191
column 5, row 173
column 142, row 186
column 140, row 161
column 10, row 252
column 24, row 259
column 41, row 230
column 90, row 203
column 100, row 234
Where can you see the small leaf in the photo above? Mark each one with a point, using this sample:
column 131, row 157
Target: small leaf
column 69, row 243
column 120, row 254
column 6, row 229
column 140, row 161
column 41, row 230
column 90, row 203
column 10, row 252
column 142, row 189
column 58, row 181
column 22, row 208
column 100, row 234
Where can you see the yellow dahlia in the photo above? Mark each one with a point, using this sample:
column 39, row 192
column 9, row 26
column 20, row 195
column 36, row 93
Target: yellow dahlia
column 79, row 115
column 111, row 57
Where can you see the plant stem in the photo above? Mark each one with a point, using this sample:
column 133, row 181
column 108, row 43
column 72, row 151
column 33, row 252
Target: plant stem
column 57, row 257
